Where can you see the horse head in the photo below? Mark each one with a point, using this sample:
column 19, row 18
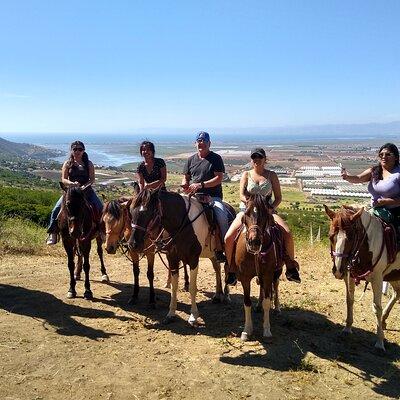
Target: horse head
column 257, row 218
column 75, row 206
column 145, row 218
column 346, row 235
column 114, row 218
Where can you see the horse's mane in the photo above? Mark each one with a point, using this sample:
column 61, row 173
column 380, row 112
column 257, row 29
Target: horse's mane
column 113, row 208
column 260, row 203
column 344, row 215
column 143, row 198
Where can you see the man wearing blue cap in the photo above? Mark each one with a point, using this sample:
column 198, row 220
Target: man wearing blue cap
column 203, row 172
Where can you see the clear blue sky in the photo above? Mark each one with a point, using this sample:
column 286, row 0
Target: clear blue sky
column 102, row 66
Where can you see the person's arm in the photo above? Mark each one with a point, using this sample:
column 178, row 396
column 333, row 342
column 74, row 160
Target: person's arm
column 64, row 176
column 276, row 190
column 140, row 180
column 365, row 176
column 388, row 202
column 243, row 187
column 91, row 176
column 159, row 182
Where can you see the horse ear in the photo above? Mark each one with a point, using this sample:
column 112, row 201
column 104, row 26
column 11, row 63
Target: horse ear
column 329, row 212
column 103, row 196
column 63, row 186
column 357, row 214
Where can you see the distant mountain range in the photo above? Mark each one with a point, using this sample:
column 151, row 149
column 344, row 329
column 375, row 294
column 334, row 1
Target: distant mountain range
column 11, row 150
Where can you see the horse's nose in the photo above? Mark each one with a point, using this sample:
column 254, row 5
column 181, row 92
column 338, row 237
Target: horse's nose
column 111, row 249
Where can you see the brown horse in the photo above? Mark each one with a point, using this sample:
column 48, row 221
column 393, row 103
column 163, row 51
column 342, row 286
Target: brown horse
column 259, row 254
column 118, row 227
column 77, row 228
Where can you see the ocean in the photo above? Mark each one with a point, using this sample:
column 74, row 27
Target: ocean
column 119, row 149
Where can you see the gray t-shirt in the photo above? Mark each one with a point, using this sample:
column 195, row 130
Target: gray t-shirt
column 203, row 169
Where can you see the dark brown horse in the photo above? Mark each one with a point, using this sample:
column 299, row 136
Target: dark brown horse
column 183, row 221
column 259, row 254
column 78, row 227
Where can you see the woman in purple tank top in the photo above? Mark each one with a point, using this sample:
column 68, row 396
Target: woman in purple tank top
column 384, row 181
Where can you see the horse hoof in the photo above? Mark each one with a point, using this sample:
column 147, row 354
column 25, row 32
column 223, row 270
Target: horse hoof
column 168, row 319
column 105, row 278
column 77, row 277
column 380, row 348
column 267, row 337
column 192, row 320
column 88, row 295
column 71, row 295
column 346, row 331
column 244, row 337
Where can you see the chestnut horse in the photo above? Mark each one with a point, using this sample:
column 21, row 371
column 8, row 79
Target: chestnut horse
column 259, row 253
column 359, row 252
column 183, row 220
column 78, row 227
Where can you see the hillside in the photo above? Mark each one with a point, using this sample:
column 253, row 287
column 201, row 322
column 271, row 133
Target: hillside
column 11, row 150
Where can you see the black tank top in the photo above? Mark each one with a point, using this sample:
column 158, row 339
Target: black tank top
column 78, row 173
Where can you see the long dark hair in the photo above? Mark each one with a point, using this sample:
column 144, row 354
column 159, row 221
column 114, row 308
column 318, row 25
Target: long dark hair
column 85, row 157
column 377, row 171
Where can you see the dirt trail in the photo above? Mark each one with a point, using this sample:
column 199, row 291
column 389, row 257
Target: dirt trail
column 55, row 348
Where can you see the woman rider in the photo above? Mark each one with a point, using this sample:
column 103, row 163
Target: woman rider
column 77, row 171
column 384, row 183
column 152, row 172
column 261, row 180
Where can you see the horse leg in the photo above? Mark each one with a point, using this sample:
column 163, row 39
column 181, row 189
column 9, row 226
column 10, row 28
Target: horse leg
column 259, row 306
column 174, row 293
column 218, row 296
column 88, row 295
column 186, row 287
column 248, row 324
column 168, row 283
column 277, row 303
column 150, row 277
column 391, row 303
column 78, row 268
column 377, row 307
column 104, row 276
column 136, row 271
column 350, row 287
column 267, row 284
column 69, row 249
column 194, row 312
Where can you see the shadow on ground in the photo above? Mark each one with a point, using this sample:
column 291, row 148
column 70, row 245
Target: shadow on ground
column 53, row 311
column 297, row 333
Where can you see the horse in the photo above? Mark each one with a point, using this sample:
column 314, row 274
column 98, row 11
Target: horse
column 259, row 253
column 359, row 252
column 183, row 218
column 78, row 227
column 117, row 223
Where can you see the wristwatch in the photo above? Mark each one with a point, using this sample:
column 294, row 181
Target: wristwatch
column 202, row 185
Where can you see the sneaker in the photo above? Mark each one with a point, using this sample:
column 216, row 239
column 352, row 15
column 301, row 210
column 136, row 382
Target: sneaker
column 220, row 256
column 231, row 279
column 52, row 239
column 293, row 275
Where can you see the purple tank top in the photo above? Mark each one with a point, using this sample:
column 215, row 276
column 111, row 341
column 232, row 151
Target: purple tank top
column 386, row 188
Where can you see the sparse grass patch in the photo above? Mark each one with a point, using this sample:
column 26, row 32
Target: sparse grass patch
column 19, row 236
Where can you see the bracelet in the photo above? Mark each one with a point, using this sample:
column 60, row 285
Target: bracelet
column 202, row 185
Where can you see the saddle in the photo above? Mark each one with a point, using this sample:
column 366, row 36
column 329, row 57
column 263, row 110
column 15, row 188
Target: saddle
column 390, row 236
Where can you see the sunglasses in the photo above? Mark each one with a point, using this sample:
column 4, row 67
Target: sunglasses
column 382, row 155
column 201, row 141
column 256, row 157
column 77, row 149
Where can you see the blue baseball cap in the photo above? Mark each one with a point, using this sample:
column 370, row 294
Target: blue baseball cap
column 203, row 136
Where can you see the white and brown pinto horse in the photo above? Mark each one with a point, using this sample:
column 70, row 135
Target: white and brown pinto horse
column 259, row 253
column 359, row 252
column 183, row 219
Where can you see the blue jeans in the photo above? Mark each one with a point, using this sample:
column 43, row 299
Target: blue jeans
column 91, row 197
column 222, row 215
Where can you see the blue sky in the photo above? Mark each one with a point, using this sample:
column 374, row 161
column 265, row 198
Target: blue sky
column 102, row 66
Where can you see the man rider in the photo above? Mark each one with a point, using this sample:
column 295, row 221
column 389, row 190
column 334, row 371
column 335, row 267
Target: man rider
column 203, row 172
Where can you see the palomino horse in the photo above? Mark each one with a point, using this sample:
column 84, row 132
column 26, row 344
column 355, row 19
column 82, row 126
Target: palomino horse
column 78, row 227
column 358, row 251
column 183, row 218
column 259, row 253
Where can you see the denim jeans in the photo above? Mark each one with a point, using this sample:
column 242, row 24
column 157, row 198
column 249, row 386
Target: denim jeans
column 222, row 215
column 91, row 197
